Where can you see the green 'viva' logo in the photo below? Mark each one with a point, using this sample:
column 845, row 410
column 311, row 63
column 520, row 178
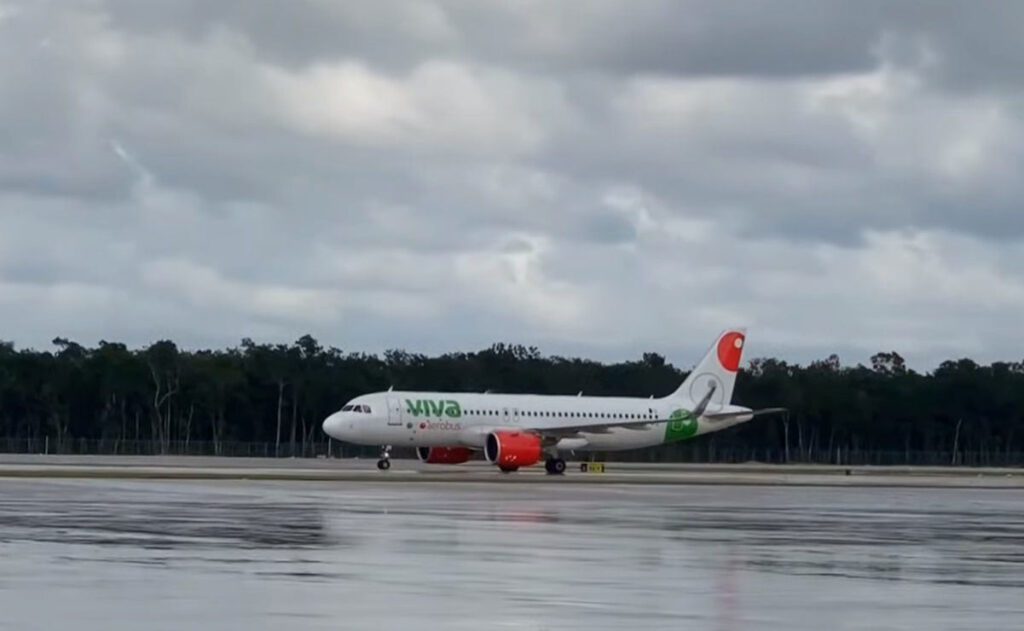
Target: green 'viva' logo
column 682, row 424
column 433, row 407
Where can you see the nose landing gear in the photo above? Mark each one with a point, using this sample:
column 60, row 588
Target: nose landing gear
column 385, row 458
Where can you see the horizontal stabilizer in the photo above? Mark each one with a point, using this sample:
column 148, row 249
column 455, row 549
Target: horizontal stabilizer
column 725, row 416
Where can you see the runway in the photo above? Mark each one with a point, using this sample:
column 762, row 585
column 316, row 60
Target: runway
column 412, row 472
column 113, row 555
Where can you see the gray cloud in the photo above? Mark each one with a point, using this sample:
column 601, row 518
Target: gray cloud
column 601, row 177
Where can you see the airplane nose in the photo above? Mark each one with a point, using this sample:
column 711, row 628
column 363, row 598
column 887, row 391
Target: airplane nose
column 332, row 426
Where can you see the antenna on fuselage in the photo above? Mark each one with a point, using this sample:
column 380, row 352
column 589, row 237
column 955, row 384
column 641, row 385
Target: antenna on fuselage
column 580, row 393
column 390, row 388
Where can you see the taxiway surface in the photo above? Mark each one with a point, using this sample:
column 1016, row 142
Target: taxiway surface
column 411, row 471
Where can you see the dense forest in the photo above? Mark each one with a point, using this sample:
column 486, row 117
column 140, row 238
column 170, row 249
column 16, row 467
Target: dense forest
column 162, row 399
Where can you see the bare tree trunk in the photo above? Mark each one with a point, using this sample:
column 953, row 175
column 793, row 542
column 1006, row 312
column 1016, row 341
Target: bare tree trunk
column 800, row 436
column 217, row 422
column 295, row 412
column 785, row 433
column 277, row 434
column 168, row 419
column 956, row 441
column 188, row 425
column 304, row 435
column 124, row 421
column 161, row 397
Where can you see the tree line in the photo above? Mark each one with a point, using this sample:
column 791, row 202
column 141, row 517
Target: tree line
column 279, row 394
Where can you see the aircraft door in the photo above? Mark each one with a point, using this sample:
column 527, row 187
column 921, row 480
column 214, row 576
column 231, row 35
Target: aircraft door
column 394, row 411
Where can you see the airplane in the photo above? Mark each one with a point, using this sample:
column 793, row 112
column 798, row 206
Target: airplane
column 520, row 430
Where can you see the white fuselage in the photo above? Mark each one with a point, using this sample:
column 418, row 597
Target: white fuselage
column 445, row 419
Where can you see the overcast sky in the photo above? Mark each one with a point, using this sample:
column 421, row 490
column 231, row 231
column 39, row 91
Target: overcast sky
column 595, row 178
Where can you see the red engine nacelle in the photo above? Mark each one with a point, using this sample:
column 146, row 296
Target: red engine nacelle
column 511, row 450
column 444, row 455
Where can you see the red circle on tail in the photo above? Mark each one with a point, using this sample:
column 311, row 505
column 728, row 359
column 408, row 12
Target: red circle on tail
column 730, row 350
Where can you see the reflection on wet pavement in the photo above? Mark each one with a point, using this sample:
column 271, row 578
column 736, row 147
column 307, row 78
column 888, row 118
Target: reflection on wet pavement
column 127, row 555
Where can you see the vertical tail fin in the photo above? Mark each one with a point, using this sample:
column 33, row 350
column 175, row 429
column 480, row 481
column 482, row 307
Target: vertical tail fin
column 711, row 383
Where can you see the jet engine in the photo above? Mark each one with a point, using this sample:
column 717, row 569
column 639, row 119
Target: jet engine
column 511, row 450
column 443, row 455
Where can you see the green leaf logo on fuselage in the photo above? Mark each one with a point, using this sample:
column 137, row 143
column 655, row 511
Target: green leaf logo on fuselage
column 682, row 424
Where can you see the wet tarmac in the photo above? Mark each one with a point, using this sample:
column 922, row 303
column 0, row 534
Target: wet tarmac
column 101, row 555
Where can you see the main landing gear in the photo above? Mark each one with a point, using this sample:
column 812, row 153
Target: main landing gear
column 554, row 466
column 385, row 458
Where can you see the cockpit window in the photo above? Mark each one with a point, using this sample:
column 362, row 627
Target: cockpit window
column 358, row 409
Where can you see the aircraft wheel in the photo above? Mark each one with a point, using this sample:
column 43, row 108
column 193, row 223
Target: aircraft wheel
column 555, row 466
column 383, row 464
column 508, row 469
